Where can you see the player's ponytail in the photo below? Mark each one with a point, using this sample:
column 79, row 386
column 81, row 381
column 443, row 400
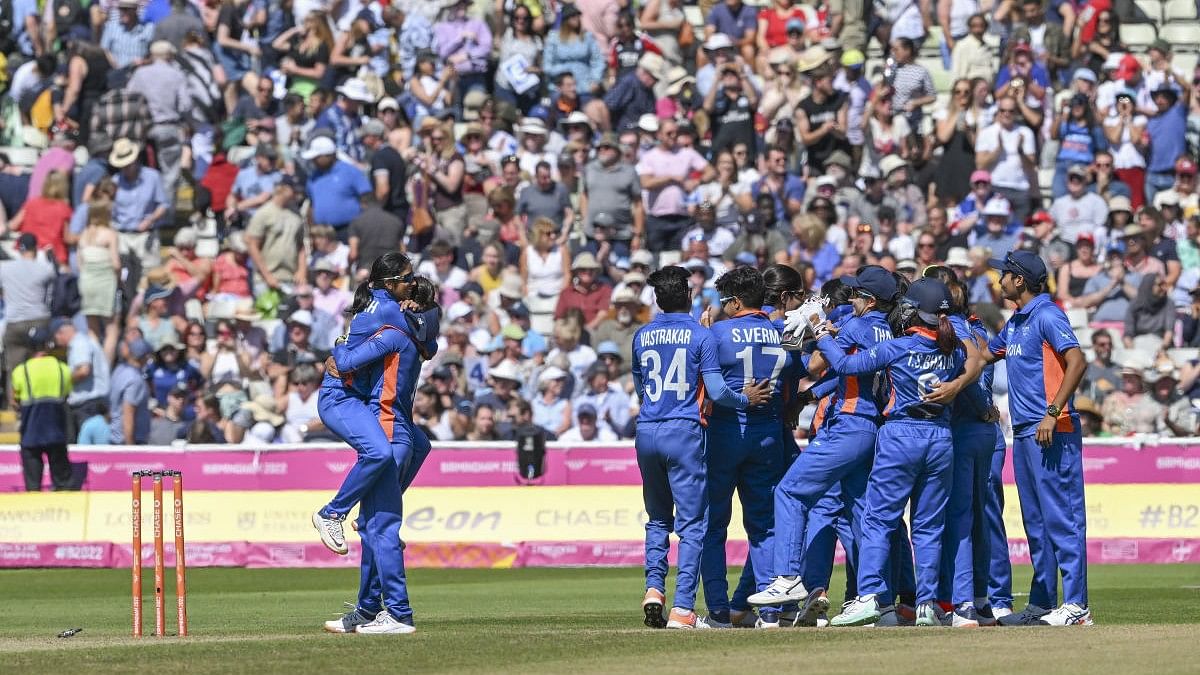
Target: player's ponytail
column 387, row 266
column 947, row 341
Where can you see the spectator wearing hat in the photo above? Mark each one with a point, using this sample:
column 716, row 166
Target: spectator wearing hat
column 126, row 39
column 168, row 94
column 1131, row 410
column 822, row 118
column 626, row 316
column 586, row 292
column 1183, row 193
column 326, row 327
column 631, row 97
column 1125, row 129
column 327, row 297
column 1078, row 211
column 910, row 199
column 170, row 370
column 571, row 50
column 154, row 311
column 718, row 50
column 302, row 423
column 343, row 118
column 626, row 47
column 139, row 205
column 129, row 399
column 1166, row 131
column 256, row 423
column 731, row 109
column 587, row 427
column 25, row 282
column 1007, row 151
column 335, row 186
column 167, row 424
column 191, row 272
column 552, row 407
column 41, row 385
column 546, row 198
column 1080, row 136
column 505, row 389
column 254, row 185
column 297, row 350
column 996, row 216
column 613, row 187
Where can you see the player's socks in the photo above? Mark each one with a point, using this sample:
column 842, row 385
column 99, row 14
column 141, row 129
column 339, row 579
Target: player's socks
column 386, row 624
column 330, row 528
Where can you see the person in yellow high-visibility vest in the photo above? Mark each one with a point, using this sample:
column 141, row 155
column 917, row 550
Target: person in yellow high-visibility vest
column 40, row 386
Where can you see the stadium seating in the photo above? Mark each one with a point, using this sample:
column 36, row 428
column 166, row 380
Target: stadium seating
column 1152, row 8
column 1138, row 35
column 1179, row 11
column 1180, row 35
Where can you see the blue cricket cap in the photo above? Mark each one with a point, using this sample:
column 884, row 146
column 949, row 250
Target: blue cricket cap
column 931, row 298
column 1022, row 263
column 874, row 280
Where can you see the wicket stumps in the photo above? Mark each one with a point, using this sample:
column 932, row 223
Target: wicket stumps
column 180, row 565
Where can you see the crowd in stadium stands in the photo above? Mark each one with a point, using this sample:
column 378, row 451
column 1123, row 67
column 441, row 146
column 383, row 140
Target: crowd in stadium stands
column 191, row 191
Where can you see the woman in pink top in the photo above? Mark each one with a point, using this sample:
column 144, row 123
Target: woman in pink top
column 231, row 277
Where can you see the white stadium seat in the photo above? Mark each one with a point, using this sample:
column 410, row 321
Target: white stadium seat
column 1177, row 11
column 1153, row 10
column 1138, row 34
column 1179, row 34
column 1077, row 317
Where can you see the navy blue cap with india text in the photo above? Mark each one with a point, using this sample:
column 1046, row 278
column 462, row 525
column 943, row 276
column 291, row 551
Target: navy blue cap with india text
column 1022, row 263
column 875, row 280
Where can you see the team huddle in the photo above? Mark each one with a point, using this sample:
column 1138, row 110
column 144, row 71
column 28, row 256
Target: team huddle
column 901, row 377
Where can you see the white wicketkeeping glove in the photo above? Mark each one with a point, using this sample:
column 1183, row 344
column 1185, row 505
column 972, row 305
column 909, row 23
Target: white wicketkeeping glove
column 803, row 322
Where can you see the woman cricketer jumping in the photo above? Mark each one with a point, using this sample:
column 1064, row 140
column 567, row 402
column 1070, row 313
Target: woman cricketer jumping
column 914, row 451
column 1045, row 365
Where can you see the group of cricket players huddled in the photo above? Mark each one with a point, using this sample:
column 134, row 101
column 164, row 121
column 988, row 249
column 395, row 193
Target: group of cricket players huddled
column 900, row 374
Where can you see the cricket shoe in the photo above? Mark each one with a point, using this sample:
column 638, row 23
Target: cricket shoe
column 1067, row 614
column 964, row 616
column 984, row 615
column 686, row 619
column 927, row 615
column 349, row 621
column 814, row 607
column 781, row 591
column 332, row 534
column 1026, row 617
column 768, row 619
column 887, row 618
column 652, row 607
column 1000, row 613
column 385, row 624
column 861, row 611
column 743, row 618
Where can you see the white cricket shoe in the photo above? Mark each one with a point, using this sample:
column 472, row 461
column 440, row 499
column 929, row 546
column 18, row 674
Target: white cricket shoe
column 861, row 611
column 768, row 619
column 1001, row 612
column 1026, row 617
column 332, row 534
column 686, row 619
column 1067, row 614
column 384, row 624
column 349, row 621
column 964, row 616
column 781, row 591
column 927, row 614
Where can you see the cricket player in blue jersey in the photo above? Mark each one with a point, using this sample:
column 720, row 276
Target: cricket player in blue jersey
column 913, row 455
column 1045, row 365
column 993, row 568
column 674, row 365
column 973, row 429
column 840, row 453
column 748, row 454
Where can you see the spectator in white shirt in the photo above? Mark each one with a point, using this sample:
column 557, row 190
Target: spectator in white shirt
column 1007, row 150
column 1080, row 211
column 586, row 428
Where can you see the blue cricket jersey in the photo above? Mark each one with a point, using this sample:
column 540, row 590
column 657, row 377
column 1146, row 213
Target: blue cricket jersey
column 670, row 356
column 749, row 350
column 389, row 363
column 914, row 366
column 973, row 403
column 1032, row 345
column 863, row 393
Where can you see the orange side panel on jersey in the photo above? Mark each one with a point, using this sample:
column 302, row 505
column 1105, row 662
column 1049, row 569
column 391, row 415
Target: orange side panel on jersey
column 851, row 403
column 819, row 415
column 891, row 395
column 1054, row 367
column 705, row 406
column 387, row 397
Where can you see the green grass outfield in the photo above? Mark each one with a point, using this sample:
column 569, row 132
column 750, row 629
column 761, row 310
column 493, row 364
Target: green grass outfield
column 553, row 620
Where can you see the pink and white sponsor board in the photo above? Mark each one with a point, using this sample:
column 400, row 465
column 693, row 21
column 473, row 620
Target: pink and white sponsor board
column 484, row 555
column 322, row 466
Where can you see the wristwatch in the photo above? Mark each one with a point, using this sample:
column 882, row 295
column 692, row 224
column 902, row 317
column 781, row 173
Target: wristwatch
column 1053, row 410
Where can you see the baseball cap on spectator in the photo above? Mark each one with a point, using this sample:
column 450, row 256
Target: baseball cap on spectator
column 648, row 123
column 1022, row 47
column 587, row 410
column 1186, row 166
column 1126, row 93
column 372, row 127
column 653, row 64
column 642, row 257
column 387, row 103
column 1021, row 263
column 287, row 181
column 1077, row 170
column 1165, row 198
column 997, row 206
column 826, row 181
column 518, row 310
column 1040, row 216
column 317, row 147
column 1086, row 238
column 356, row 90
column 124, row 152
column 1128, row 68
column 608, row 348
column 957, row 257
column 695, row 265
column 507, row 370
column 718, row 41
column 154, row 292
column 458, row 310
column 746, row 258
column 140, row 349
column 890, row 163
column 584, row 261
column 1165, row 89
column 576, row 118
column 981, row 176
column 441, row 373
column 27, row 242
column 1086, row 75
column 794, row 23
column 875, row 280
column 566, row 161
column 301, row 317
column 40, row 337
column 171, row 344
column 1132, row 230
column 551, row 373
column 471, row 287
column 368, row 16
column 603, row 219
column 513, row 332
column 839, row 158
column 853, row 58
column 57, row 323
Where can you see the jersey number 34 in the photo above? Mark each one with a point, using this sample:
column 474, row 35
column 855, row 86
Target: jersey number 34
column 675, row 379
